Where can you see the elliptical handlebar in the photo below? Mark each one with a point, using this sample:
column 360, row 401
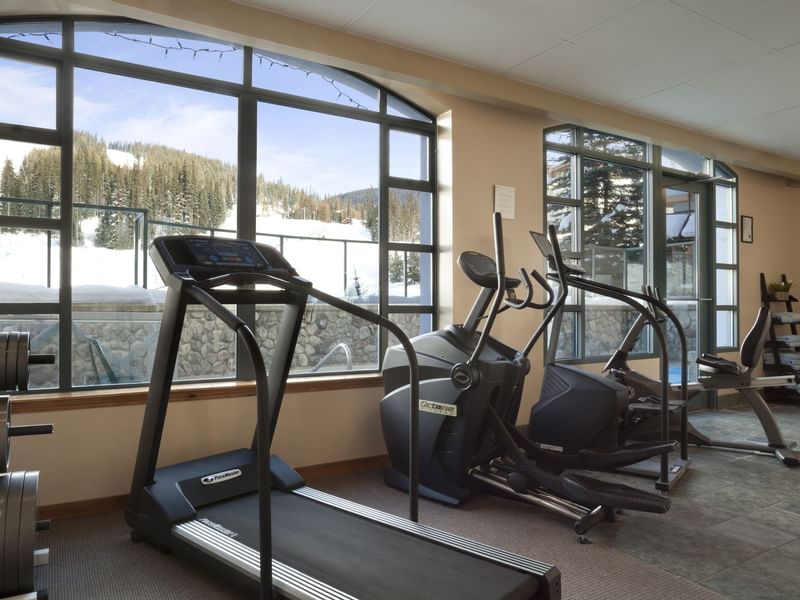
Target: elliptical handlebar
column 466, row 376
column 528, row 301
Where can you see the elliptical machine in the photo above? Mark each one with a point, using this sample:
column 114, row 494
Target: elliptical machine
column 715, row 373
column 470, row 389
column 578, row 410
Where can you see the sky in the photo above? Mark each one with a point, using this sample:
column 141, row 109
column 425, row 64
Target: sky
column 322, row 153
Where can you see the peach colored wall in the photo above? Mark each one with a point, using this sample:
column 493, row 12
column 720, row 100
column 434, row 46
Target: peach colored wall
column 91, row 453
column 498, row 141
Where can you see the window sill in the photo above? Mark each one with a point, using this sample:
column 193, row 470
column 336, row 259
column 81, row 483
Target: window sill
column 61, row 401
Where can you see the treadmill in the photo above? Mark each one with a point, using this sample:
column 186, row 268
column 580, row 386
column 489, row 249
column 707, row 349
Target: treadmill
column 249, row 517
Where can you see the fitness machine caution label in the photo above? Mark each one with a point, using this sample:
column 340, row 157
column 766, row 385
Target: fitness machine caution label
column 438, row 408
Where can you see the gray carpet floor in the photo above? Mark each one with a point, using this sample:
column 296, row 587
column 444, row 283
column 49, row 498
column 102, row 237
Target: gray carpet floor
column 733, row 532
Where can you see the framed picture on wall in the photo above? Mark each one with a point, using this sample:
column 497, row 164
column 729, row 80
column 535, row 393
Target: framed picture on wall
column 747, row 229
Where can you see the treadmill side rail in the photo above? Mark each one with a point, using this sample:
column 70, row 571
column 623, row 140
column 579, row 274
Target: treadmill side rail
column 289, row 581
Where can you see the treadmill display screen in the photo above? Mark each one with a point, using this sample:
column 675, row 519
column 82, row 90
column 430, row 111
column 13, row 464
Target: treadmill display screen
column 225, row 253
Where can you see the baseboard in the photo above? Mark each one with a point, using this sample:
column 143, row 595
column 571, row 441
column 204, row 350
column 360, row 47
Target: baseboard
column 82, row 508
column 97, row 506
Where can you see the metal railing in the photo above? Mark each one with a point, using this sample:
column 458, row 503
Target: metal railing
column 143, row 228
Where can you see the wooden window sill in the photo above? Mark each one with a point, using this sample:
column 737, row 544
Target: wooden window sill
column 59, row 401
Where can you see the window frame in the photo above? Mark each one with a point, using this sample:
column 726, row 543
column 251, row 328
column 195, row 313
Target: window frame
column 654, row 226
column 66, row 60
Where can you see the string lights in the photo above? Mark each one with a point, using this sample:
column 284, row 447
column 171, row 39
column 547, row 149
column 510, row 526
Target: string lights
column 220, row 52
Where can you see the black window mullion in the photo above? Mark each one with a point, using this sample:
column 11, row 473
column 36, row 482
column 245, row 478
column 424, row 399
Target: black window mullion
column 65, row 126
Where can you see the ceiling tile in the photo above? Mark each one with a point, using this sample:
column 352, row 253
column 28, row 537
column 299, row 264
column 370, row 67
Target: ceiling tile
column 690, row 107
column 576, row 71
column 775, row 23
column 769, row 83
column 560, row 18
column 450, row 31
column 777, row 130
column 670, row 41
column 322, row 12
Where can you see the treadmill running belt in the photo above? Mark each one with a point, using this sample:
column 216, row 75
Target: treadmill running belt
column 366, row 559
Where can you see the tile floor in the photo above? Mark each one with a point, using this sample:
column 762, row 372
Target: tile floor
column 734, row 525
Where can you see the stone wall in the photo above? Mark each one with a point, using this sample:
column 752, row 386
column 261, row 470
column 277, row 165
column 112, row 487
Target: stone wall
column 118, row 345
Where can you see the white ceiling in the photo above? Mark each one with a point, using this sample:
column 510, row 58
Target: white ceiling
column 729, row 68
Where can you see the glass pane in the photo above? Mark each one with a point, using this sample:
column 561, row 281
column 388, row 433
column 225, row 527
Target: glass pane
column 207, row 349
column 28, row 94
column 29, row 265
column 318, row 187
column 398, row 108
column 613, row 223
column 568, row 337
column 561, row 136
column 721, row 170
column 559, row 174
column 682, row 160
column 726, row 287
column 408, row 155
column 330, row 340
column 605, row 326
column 410, row 216
column 726, row 336
column 681, row 252
column 114, row 343
column 145, row 146
column 162, row 47
column 686, row 312
column 44, row 33
column 43, row 335
column 565, row 219
column 726, row 251
column 362, row 283
column 612, row 144
column 410, row 277
column 412, row 324
column 31, row 176
column 726, row 208
column 299, row 77
column 320, row 261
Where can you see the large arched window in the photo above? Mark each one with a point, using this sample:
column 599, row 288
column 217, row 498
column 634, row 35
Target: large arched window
column 113, row 132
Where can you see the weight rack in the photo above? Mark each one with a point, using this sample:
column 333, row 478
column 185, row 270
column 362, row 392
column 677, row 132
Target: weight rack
column 18, row 489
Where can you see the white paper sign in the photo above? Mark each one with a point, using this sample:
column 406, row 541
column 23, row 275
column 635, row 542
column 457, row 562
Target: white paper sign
column 504, row 200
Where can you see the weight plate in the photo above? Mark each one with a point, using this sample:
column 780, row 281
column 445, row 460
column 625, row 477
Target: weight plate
column 27, row 531
column 23, row 362
column 11, row 539
column 5, row 433
column 11, row 361
column 5, row 479
column 3, row 358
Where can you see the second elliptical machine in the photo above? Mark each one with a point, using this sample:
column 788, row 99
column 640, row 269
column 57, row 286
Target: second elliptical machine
column 470, row 392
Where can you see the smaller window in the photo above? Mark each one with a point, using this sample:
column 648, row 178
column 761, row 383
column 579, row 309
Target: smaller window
column 160, row 47
column 410, row 216
column 681, row 160
column 28, row 94
column 408, row 155
column 613, row 144
column 398, row 108
column 725, row 205
column 44, row 33
column 561, row 136
column 298, row 77
column 560, row 174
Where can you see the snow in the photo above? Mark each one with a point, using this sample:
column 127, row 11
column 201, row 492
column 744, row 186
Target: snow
column 105, row 276
column 121, row 158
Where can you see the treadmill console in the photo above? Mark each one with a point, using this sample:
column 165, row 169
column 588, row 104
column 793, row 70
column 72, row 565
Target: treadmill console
column 205, row 257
